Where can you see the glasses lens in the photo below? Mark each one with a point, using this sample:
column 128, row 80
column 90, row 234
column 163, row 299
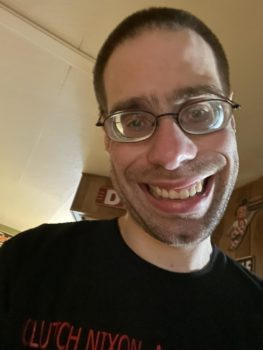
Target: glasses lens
column 205, row 117
column 130, row 126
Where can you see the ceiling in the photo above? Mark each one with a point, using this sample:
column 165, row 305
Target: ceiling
column 48, row 109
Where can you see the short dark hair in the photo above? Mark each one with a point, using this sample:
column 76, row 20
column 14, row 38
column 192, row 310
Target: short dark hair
column 152, row 18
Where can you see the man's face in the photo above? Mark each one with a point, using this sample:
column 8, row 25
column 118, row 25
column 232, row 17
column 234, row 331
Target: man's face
column 153, row 71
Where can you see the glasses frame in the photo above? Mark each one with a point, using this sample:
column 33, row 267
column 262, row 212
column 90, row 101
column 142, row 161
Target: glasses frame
column 175, row 115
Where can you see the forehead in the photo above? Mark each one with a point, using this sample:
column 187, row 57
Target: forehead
column 158, row 61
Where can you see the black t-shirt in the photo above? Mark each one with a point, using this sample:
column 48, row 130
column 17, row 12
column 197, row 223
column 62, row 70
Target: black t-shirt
column 78, row 286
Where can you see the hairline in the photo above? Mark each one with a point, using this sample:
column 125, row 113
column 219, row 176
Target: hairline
column 198, row 27
column 169, row 27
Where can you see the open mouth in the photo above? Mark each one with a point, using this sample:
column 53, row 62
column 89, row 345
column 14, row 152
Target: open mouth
column 196, row 189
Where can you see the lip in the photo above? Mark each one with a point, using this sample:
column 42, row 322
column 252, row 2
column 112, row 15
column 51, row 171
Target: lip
column 178, row 184
column 192, row 205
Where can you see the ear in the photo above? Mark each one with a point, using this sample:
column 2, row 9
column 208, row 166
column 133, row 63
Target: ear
column 233, row 122
column 106, row 142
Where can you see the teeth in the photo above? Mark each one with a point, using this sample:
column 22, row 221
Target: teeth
column 192, row 191
column 184, row 194
column 180, row 194
column 199, row 186
column 174, row 195
column 158, row 191
column 164, row 193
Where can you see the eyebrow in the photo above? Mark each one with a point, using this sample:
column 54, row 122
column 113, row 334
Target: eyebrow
column 178, row 96
column 140, row 102
column 194, row 91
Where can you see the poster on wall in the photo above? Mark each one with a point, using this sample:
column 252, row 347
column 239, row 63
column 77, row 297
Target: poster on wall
column 96, row 199
column 4, row 237
column 6, row 233
column 244, row 215
column 240, row 233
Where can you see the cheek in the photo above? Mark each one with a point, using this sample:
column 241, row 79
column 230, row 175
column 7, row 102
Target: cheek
column 223, row 142
column 124, row 156
column 228, row 146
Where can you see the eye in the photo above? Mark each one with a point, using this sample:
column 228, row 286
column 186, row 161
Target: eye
column 201, row 116
column 132, row 124
column 198, row 113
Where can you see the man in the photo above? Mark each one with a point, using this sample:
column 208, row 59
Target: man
column 152, row 279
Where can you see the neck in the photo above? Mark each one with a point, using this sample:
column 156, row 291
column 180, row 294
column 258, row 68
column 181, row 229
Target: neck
column 171, row 258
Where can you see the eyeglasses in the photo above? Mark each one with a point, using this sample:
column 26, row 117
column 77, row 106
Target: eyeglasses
column 198, row 117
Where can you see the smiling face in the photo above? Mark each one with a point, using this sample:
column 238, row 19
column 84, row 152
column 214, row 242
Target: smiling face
column 174, row 185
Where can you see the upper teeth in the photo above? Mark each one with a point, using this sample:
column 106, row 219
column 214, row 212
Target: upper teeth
column 177, row 194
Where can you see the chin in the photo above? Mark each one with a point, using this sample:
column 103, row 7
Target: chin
column 177, row 232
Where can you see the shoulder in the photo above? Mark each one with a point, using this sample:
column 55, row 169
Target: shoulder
column 237, row 275
column 56, row 237
column 60, row 230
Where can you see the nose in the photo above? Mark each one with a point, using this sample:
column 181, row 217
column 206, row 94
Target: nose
column 170, row 146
